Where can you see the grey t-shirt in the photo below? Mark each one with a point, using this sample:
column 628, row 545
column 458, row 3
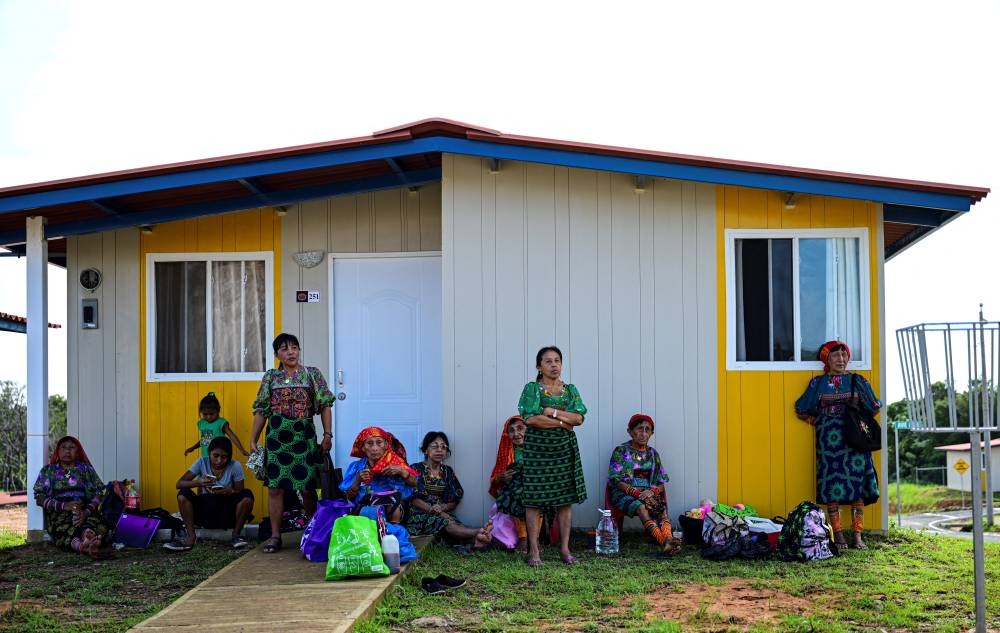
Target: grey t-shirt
column 233, row 472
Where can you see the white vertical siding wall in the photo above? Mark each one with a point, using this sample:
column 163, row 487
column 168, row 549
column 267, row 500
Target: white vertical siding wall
column 103, row 364
column 395, row 220
column 623, row 282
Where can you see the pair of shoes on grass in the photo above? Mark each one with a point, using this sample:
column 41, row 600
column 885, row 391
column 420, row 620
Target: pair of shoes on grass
column 440, row 584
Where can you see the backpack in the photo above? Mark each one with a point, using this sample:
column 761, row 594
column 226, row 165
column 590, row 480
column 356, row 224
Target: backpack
column 723, row 536
column 806, row 535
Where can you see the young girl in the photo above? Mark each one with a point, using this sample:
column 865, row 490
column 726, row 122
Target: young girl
column 211, row 426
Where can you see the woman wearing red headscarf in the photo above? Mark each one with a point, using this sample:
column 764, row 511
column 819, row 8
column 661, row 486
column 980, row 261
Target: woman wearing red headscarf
column 843, row 475
column 381, row 476
column 507, row 478
column 69, row 491
column 638, row 483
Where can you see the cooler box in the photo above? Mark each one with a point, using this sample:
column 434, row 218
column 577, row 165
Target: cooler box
column 133, row 530
column 765, row 529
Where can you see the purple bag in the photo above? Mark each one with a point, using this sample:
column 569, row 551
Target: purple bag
column 315, row 543
column 504, row 529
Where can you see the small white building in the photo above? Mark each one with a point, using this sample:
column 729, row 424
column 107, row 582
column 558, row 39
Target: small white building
column 955, row 452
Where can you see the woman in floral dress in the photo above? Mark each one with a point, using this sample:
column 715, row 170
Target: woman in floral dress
column 69, row 492
column 843, row 475
column 289, row 397
column 638, row 483
column 438, row 493
column 507, row 478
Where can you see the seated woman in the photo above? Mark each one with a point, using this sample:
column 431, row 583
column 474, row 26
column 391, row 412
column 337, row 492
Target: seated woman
column 438, row 493
column 221, row 501
column 507, row 479
column 381, row 476
column 69, row 492
column 638, row 483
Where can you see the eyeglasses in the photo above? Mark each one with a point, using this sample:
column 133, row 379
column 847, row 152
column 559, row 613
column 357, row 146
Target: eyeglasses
column 443, row 447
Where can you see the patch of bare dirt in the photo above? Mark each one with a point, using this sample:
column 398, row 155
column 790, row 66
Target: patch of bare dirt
column 736, row 603
column 14, row 518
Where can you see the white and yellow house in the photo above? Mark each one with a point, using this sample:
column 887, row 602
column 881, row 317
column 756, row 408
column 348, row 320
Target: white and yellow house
column 421, row 268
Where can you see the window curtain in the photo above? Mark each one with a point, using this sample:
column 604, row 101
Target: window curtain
column 741, row 335
column 843, row 284
column 179, row 295
column 254, row 306
column 227, row 308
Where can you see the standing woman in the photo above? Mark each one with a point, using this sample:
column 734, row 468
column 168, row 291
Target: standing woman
column 553, row 473
column 843, row 475
column 289, row 397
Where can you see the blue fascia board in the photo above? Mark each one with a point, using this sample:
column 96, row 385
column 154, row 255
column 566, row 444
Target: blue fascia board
column 915, row 216
column 566, row 158
column 418, row 177
column 13, row 326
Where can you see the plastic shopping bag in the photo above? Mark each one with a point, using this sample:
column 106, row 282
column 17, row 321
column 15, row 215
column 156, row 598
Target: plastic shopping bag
column 355, row 549
column 315, row 542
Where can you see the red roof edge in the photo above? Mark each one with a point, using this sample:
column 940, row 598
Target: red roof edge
column 438, row 126
column 20, row 319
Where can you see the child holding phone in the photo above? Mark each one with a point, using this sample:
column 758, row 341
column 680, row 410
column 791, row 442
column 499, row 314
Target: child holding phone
column 211, row 426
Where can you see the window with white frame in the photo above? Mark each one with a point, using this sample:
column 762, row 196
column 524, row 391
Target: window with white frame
column 789, row 291
column 208, row 313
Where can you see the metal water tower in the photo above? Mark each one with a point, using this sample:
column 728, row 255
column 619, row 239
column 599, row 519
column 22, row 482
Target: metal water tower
column 965, row 357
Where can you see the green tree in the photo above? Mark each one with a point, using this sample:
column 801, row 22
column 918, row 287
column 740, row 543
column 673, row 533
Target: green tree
column 916, row 448
column 57, row 418
column 13, row 436
column 14, row 433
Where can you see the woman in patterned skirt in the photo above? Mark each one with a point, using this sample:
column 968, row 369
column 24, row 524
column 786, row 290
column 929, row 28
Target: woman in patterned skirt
column 638, row 483
column 69, row 492
column 438, row 493
column 289, row 397
column 843, row 475
column 553, row 473
column 507, row 478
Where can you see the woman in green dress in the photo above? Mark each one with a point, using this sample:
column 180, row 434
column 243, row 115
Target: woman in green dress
column 288, row 398
column 553, row 473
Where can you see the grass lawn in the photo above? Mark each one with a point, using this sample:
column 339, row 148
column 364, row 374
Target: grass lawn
column 907, row 581
column 916, row 498
column 62, row 592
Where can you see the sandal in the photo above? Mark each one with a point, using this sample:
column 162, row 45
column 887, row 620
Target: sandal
column 271, row 545
column 858, row 544
column 534, row 562
column 569, row 559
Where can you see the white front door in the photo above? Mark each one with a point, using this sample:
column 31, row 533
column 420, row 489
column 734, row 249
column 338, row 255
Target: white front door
column 386, row 365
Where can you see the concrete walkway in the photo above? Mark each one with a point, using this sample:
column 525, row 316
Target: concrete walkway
column 274, row 592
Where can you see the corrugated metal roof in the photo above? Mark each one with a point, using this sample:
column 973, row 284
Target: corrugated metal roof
column 410, row 155
column 966, row 447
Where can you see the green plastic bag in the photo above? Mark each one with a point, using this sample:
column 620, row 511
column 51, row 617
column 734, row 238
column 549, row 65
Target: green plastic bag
column 354, row 549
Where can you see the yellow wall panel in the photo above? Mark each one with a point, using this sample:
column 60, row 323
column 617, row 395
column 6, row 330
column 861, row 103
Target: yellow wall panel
column 169, row 410
column 766, row 454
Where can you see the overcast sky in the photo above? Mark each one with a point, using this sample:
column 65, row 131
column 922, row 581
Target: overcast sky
column 903, row 89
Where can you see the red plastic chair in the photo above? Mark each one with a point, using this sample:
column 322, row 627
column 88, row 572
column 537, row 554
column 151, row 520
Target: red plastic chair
column 616, row 515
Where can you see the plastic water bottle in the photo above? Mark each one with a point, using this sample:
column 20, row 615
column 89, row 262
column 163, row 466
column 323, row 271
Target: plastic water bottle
column 390, row 552
column 606, row 541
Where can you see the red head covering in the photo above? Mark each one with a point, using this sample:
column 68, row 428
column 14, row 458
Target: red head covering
column 640, row 417
column 505, row 455
column 826, row 348
column 395, row 452
column 81, row 455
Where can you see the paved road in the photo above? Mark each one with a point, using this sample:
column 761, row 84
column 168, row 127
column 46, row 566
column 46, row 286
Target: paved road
column 932, row 522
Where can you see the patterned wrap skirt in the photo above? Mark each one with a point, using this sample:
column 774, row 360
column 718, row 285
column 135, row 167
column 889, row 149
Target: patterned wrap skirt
column 843, row 474
column 553, row 472
column 292, row 462
column 510, row 498
column 60, row 527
